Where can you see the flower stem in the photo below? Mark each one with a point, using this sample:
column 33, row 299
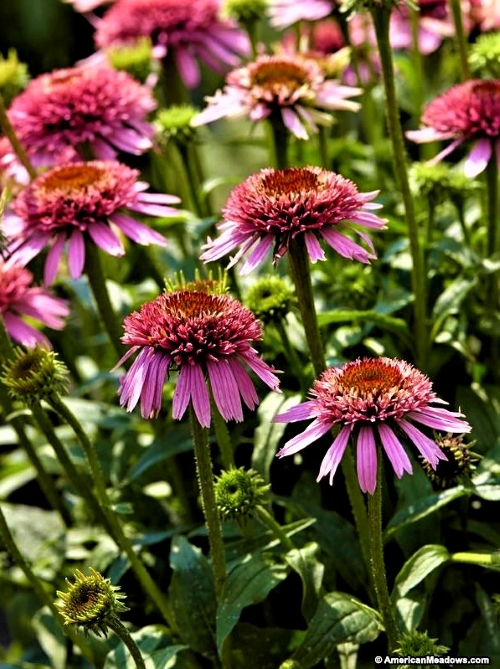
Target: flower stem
column 207, row 489
column 112, row 520
column 97, row 282
column 122, row 632
column 10, row 133
column 461, row 42
column 280, row 137
column 379, row 576
column 266, row 519
column 492, row 195
column 381, row 17
column 222, row 435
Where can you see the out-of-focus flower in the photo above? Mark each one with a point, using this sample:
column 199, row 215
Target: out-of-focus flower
column 292, row 86
column 484, row 56
column 206, row 337
column 35, row 374
column 13, row 174
column 88, row 5
column 284, row 13
column 80, row 201
column 372, row 399
column 245, row 12
column 189, row 30
column 484, row 15
column 21, row 300
column 64, row 112
column 13, row 76
column 270, row 208
column 174, row 123
column 466, row 112
column 434, row 24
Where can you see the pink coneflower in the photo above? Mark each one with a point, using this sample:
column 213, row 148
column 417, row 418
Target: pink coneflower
column 205, row 337
column 434, row 24
column 468, row 111
column 372, row 400
column 484, row 14
column 189, row 30
column 284, row 13
column 65, row 111
column 272, row 207
column 82, row 201
column 292, row 86
column 20, row 299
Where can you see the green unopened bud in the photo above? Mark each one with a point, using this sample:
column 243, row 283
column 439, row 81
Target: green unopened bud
column 91, row 602
column 136, row 59
column 355, row 287
column 484, row 56
column 419, row 644
column 438, row 183
column 174, row 123
column 14, row 77
column 34, row 374
column 238, row 492
column 245, row 11
column 458, row 467
column 270, row 299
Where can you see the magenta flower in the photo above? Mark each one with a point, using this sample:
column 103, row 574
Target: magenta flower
column 372, row 399
column 189, row 30
column 272, row 207
column 284, row 13
column 61, row 112
column 205, row 337
column 290, row 85
column 80, row 201
column 468, row 111
column 434, row 24
column 20, row 299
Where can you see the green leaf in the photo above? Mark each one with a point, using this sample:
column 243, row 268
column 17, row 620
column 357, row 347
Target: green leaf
column 392, row 324
column 449, row 302
column 304, row 561
column 152, row 642
column 418, row 567
column 192, row 594
column 51, row 638
column 248, row 582
column 340, row 618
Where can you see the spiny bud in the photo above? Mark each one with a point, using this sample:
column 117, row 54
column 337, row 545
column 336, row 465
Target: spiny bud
column 34, row 374
column 13, row 77
column 174, row 124
column 419, row 644
column 270, row 299
column 484, row 56
column 437, row 183
column 238, row 492
column 136, row 59
column 459, row 465
column 91, row 602
column 245, row 11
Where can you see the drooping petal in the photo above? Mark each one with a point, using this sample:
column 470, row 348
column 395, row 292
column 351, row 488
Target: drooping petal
column 394, row 450
column 137, row 232
column 478, row 158
column 53, row 259
column 428, row 448
column 106, row 239
column 315, row 430
column 366, row 459
column 301, row 411
column 334, row 454
column 440, row 419
column 225, row 390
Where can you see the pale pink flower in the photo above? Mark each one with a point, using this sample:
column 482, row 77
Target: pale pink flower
column 20, row 299
column 69, row 204
column 87, row 5
column 270, row 208
column 484, row 14
column 284, row 13
column 293, row 86
column 206, row 338
column 189, row 30
column 372, row 400
column 465, row 112
column 65, row 111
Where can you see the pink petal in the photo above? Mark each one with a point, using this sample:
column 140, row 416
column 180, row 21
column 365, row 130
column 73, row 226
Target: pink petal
column 76, row 254
column 428, row 448
column 334, row 454
column 366, row 460
column 293, row 123
column 106, row 239
column 225, row 390
column 302, row 411
column 313, row 247
column 394, row 450
column 53, row 260
column 315, row 430
column 137, row 232
column 478, row 158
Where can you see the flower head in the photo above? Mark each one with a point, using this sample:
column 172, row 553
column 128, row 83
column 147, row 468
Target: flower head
column 468, row 111
column 484, row 56
column 204, row 336
column 270, row 298
column 372, row 400
column 238, row 492
column 82, row 201
column 65, row 110
column 459, row 465
column 189, row 30
column 34, row 375
column 20, row 299
column 271, row 208
column 292, row 86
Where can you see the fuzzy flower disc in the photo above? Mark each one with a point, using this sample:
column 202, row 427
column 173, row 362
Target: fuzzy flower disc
column 61, row 112
column 468, row 111
column 80, row 200
column 372, row 401
column 271, row 208
column 203, row 336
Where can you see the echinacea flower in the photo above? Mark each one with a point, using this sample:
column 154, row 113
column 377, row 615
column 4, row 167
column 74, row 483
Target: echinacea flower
column 80, row 201
column 68, row 110
column 372, row 400
column 434, row 23
column 292, row 86
column 21, row 300
column 466, row 112
column 188, row 30
column 270, row 208
column 284, row 13
column 207, row 338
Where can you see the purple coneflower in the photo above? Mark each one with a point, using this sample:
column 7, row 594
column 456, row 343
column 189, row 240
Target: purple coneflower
column 188, row 30
column 284, row 13
column 372, row 400
column 67, row 110
column 468, row 111
column 290, row 85
column 20, row 299
column 78, row 201
column 434, row 24
column 272, row 207
column 206, row 337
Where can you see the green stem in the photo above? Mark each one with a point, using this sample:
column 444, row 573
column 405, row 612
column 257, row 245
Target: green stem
column 323, row 147
column 174, row 90
column 222, row 435
column 10, row 133
column 207, row 490
column 461, row 40
column 122, row 632
column 192, row 181
column 492, row 195
column 112, row 519
column 480, row 559
column 377, row 563
column 17, row 557
column 381, row 17
column 97, row 282
column 266, row 519
column 280, row 137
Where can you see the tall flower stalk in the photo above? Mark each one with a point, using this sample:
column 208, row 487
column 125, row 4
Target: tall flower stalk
column 460, row 39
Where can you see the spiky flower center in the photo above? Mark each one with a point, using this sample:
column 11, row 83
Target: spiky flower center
column 279, row 73
column 371, row 379
column 292, row 182
column 73, row 178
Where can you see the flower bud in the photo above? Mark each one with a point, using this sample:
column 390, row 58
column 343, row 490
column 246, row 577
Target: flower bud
column 238, row 492
column 34, row 374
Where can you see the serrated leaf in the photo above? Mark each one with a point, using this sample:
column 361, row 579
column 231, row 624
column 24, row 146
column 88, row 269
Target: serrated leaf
column 340, row 618
column 248, row 582
column 418, row 567
column 304, row 561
